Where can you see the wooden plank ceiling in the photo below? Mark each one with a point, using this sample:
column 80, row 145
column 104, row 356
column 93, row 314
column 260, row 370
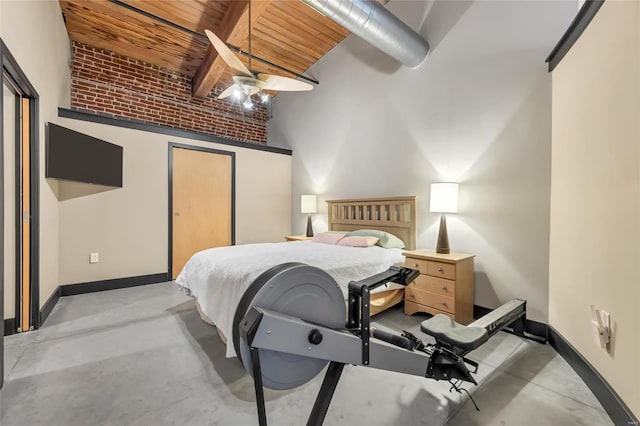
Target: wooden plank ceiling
column 170, row 34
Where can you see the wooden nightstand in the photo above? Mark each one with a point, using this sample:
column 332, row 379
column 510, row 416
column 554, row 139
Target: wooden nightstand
column 297, row 238
column 445, row 284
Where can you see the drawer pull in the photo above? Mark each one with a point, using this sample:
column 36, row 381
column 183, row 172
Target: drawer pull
column 440, row 270
column 443, row 303
column 444, row 288
column 412, row 295
column 415, row 265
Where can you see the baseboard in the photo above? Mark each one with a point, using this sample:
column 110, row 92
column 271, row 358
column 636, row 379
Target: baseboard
column 536, row 328
column 95, row 286
column 46, row 309
column 113, row 284
column 480, row 311
column 609, row 399
column 9, row 326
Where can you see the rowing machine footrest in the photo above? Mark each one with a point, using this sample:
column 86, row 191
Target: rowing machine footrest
column 448, row 331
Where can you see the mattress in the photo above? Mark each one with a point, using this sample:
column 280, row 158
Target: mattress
column 218, row 277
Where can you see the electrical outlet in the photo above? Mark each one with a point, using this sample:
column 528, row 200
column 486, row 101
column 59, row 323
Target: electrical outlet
column 94, row 258
column 601, row 324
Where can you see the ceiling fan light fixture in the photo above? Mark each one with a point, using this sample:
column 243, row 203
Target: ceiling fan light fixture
column 238, row 93
column 247, row 103
column 264, row 97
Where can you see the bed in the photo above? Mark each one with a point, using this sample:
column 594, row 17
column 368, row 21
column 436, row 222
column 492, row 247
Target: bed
column 218, row 277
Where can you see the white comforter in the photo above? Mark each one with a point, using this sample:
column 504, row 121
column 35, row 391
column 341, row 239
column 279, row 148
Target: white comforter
column 218, row 277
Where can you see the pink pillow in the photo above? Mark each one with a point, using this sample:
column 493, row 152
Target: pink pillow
column 358, row 241
column 328, row 238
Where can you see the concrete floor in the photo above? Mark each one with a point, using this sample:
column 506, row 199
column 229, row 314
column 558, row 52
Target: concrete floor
column 142, row 356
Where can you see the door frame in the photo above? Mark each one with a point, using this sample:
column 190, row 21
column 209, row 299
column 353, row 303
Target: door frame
column 232, row 154
column 11, row 67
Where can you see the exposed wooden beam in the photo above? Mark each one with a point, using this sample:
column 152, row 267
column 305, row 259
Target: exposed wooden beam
column 234, row 30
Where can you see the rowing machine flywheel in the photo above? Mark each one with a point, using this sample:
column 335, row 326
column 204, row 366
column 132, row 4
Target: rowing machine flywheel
column 298, row 290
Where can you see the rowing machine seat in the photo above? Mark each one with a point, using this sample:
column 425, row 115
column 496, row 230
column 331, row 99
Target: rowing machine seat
column 446, row 330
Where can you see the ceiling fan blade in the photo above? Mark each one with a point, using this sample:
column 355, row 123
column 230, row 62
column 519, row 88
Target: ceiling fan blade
column 227, row 92
column 284, row 84
column 227, row 55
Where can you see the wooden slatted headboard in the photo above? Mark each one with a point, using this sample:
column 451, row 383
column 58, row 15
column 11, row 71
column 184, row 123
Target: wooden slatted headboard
column 396, row 215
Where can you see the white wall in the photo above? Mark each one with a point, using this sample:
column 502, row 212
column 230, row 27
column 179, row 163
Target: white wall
column 595, row 194
column 35, row 35
column 128, row 226
column 478, row 112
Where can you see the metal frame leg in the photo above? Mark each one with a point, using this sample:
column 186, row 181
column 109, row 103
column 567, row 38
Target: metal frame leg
column 320, row 407
column 257, row 384
column 518, row 327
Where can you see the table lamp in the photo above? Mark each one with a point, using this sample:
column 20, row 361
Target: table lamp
column 444, row 199
column 308, row 204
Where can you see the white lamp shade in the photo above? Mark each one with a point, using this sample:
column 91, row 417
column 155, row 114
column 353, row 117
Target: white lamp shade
column 308, row 204
column 444, row 197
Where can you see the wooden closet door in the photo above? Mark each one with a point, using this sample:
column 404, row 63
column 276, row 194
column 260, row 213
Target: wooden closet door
column 202, row 203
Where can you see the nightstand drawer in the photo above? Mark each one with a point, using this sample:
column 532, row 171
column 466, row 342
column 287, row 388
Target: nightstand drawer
column 419, row 264
column 435, row 285
column 442, row 270
column 411, row 308
column 430, row 299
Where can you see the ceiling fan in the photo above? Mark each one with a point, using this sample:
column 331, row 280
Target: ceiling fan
column 246, row 83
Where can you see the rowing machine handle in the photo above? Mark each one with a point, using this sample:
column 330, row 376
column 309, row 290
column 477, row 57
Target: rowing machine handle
column 394, row 339
column 404, row 276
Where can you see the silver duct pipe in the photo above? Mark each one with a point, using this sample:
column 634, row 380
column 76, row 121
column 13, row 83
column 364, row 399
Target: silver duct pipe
column 376, row 25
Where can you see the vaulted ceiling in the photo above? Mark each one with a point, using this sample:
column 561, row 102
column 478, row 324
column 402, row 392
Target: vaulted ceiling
column 285, row 34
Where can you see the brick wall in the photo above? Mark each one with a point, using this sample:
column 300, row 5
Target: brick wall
column 106, row 83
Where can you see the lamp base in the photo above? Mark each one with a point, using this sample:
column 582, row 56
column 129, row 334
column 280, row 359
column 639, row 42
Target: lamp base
column 309, row 227
column 443, row 237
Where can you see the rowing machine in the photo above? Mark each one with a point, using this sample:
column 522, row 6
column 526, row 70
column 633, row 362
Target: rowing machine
column 291, row 322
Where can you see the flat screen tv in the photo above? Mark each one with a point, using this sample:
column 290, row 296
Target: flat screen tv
column 74, row 156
